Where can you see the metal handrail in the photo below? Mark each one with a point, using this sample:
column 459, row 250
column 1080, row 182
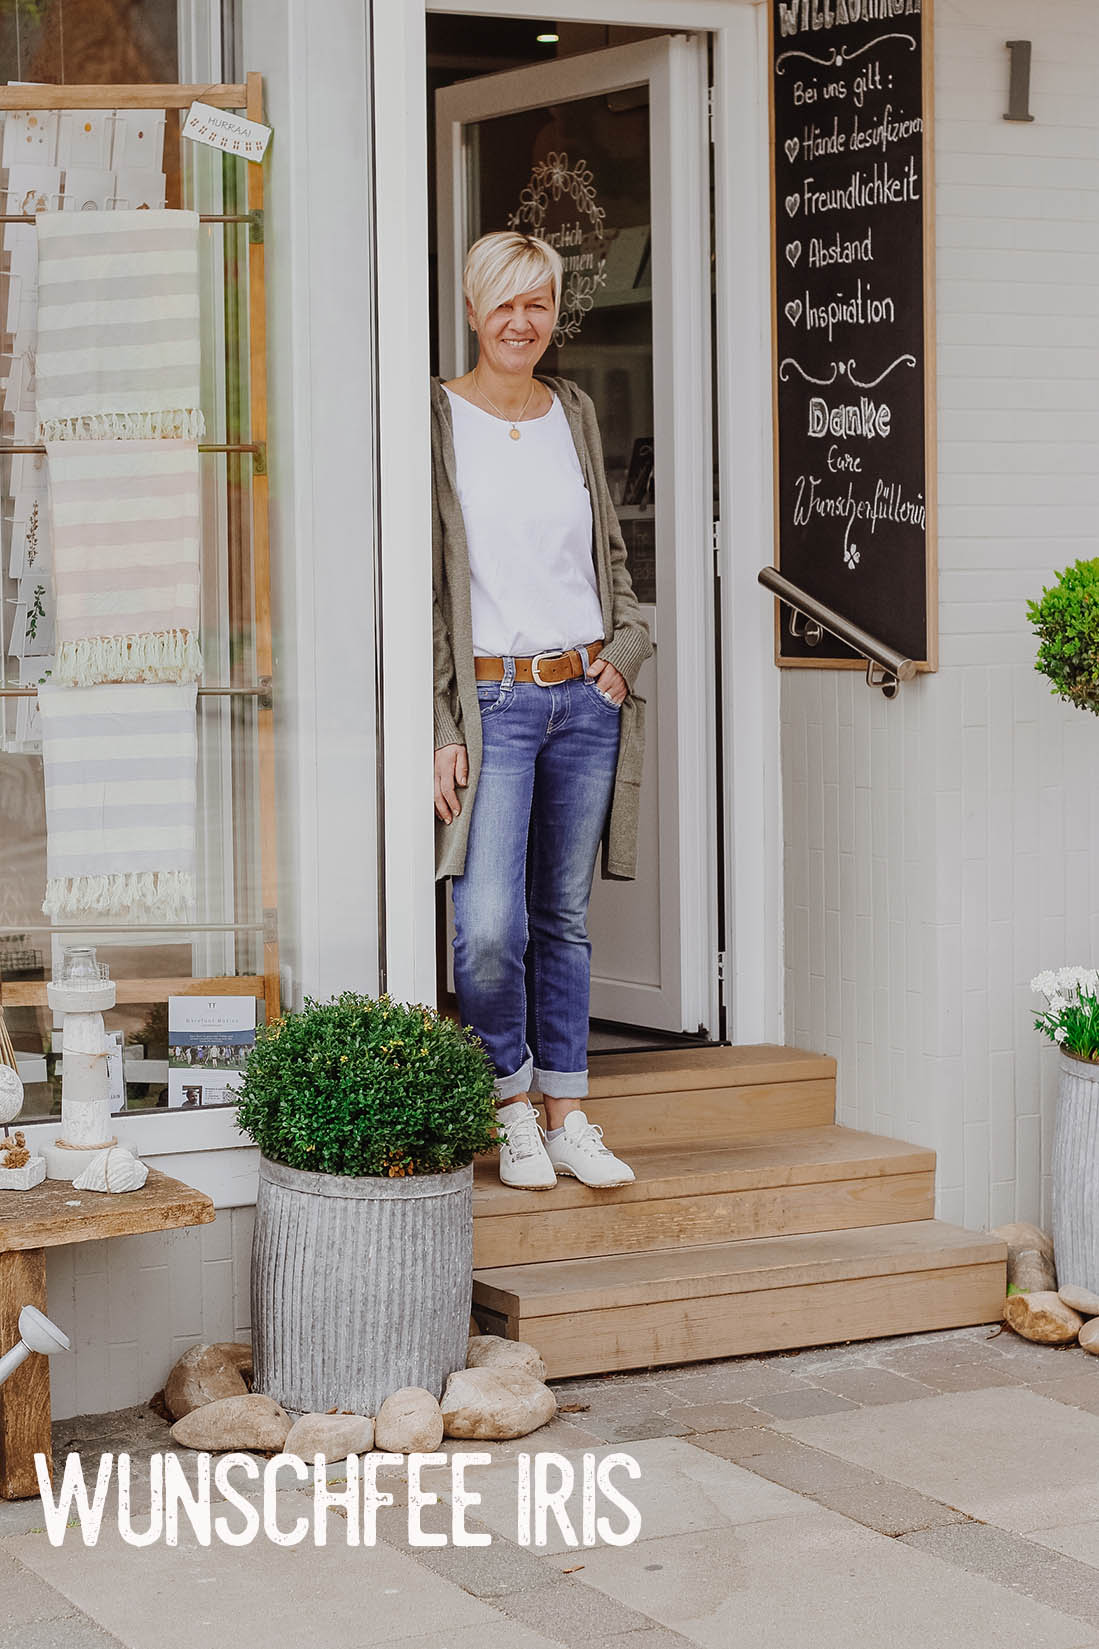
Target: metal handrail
column 816, row 618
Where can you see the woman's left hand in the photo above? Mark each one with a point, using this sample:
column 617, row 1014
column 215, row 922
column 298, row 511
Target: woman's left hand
column 610, row 683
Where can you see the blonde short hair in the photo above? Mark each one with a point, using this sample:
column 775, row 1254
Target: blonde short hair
column 504, row 263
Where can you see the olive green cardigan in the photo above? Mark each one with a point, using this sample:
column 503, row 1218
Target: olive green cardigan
column 457, row 717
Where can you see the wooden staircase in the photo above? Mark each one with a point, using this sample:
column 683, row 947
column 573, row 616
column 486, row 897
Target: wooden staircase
column 755, row 1223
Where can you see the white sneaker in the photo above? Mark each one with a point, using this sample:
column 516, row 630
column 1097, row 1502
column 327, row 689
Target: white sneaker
column 580, row 1151
column 523, row 1160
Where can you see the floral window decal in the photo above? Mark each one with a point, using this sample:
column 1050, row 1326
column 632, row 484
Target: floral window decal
column 545, row 209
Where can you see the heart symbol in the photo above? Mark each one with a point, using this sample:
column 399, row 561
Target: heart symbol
column 793, row 311
column 792, row 204
column 793, row 253
column 792, row 147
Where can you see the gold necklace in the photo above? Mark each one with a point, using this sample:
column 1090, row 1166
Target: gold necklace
column 514, row 422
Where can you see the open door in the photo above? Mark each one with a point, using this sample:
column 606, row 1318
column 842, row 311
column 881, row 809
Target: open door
column 606, row 156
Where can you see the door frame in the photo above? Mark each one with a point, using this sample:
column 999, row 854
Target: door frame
column 752, row 800
column 687, row 997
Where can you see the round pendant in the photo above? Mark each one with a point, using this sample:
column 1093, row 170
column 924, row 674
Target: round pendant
column 514, row 433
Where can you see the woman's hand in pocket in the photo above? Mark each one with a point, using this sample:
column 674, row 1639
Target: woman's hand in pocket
column 607, row 679
column 451, row 775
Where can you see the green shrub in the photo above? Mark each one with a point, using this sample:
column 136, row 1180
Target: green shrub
column 1066, row 621
column 356, row 1086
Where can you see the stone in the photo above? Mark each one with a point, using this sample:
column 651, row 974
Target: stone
column 206, row 1374
column 409, row 1422
column 333, row 1435
column 493, row 1351
column 1030, row 1264
column 1083, row 1300
column 230, row 1423
column 495, row 1403
column 1042, row 1316
column 1089, row 1336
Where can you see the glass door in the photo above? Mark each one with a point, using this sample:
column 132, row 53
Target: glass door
column 604, row 155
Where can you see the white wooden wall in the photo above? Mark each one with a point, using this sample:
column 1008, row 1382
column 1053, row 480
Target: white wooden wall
column 942, row 849
column 132, row 1305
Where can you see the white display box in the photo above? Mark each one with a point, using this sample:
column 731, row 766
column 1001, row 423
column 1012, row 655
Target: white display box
column 23, row 1179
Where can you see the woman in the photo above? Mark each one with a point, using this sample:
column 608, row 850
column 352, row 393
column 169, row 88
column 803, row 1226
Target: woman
column 538, row 641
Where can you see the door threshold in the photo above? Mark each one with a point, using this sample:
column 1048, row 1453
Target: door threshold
column 607, row 1036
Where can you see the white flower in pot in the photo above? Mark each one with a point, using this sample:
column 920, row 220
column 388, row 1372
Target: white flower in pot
column 1071, row 1021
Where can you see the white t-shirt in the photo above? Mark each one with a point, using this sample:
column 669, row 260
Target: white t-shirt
column 528, row 525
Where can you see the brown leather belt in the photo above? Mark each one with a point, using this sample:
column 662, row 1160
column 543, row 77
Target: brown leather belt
column 546, row 669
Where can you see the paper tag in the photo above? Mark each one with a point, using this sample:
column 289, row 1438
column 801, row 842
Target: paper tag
column 116, row 1083
column 221, row 129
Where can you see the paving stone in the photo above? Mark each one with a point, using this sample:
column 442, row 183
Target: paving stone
column 655, row 1637
column 890, row 1508
column 161, row 1597
column 980, row 1375
column 24, row 1597
column 630, row 1430
column 484, row 1571
column 817, row 1578
column 788, row 1405
column 1075, row 1540
column 500, row 1633
column 733, row 1382
column 1079, row 1391
column 572, row 1612
column 941, row 1354
column 1005, row 1456
column 711, row 1417
column 73, row 1632
column 1045, row 1575
column 873, row 1385
column 1051, row 1362
column 679, row 1488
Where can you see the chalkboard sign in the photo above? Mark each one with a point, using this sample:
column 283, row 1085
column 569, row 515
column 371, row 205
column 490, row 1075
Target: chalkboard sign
column 853, row 318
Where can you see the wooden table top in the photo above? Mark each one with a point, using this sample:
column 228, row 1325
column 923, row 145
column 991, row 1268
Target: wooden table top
column 54, row 1212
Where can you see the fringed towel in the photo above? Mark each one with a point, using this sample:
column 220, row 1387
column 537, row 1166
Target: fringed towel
column 120, row 767
column 126, row 560
column 118, row 326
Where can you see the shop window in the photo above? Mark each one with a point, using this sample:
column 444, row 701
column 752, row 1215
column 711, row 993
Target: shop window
column 114, row 42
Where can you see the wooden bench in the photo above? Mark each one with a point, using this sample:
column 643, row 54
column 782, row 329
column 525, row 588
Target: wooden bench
column 47, row 1216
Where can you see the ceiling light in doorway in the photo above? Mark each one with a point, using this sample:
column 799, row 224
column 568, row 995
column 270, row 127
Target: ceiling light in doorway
column 549, row 38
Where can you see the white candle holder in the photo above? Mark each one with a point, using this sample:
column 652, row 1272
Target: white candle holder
column 82, row 991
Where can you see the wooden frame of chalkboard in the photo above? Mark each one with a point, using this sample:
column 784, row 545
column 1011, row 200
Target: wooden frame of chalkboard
column 853, row 320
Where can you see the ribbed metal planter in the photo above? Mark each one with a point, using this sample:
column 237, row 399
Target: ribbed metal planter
column 359, row 1286
column 1076, row 1175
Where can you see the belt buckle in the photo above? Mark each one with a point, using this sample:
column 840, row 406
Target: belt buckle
column 551, row 652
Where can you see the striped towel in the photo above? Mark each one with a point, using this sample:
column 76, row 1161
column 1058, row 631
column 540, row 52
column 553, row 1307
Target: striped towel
column 120, row 767
column 118, row 325
column 126, row 560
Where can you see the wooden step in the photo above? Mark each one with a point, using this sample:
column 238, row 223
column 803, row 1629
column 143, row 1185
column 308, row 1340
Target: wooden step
column 777, row 1183
column 709, row 1093
column 727, row 1299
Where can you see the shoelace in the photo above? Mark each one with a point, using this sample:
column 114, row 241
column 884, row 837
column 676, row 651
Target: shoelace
column 590, row 1138
column 522, row 1136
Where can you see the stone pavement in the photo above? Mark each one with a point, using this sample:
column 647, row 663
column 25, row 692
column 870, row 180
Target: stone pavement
column 924, row 1492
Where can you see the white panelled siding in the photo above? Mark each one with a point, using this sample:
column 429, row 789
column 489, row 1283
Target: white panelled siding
column 942, row 849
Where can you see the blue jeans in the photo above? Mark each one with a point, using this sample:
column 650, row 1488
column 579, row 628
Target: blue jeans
column 522, row 958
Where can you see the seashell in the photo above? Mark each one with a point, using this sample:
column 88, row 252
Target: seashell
column 11, row 1093
column 115, row 1169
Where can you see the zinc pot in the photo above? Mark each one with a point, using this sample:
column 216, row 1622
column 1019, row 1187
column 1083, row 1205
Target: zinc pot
column 1076, row 1175
column 359, row 1286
